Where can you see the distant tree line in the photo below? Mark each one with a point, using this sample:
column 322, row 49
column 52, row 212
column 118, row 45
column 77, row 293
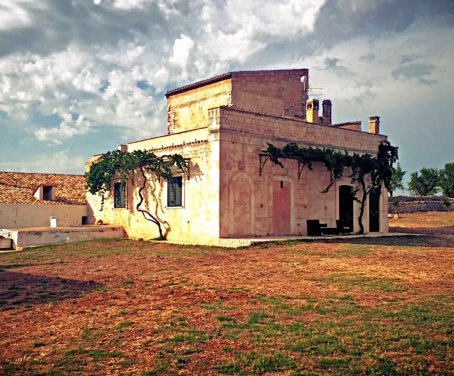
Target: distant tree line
column 427, row 181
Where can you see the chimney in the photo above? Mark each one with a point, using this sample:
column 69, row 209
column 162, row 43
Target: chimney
column 123, row 148
column 374, row 124
column 326, row 105
column 312, row 111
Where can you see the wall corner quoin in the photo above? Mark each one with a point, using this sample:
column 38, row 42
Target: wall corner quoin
column 214, row 118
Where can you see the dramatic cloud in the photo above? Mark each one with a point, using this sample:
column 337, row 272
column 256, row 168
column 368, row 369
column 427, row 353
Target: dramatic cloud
column 122, row 83
column 72, row 72
column 340, row 20
column 418, row 71
column 60, row 162
column 68, row 128
column 13, row 15
column 332, row 64
column 180, row 51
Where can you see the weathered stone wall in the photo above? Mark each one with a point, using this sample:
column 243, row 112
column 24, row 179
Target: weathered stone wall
column 403, row 204
column 292, row 130
column 197, row 220
column 274, row 201
column 189, row 109
column 165, row 142
column 24, row 238
column 27, row 215
column 277, row 92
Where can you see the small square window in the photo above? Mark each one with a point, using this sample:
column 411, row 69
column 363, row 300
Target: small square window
column 119, row 195
column 48, row 192
column 175, row 191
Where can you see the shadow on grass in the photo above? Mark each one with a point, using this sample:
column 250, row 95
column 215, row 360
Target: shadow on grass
column 414, row 237
column 410, row 240
column 406, row 241
column 26, row 290
column 441, row 230
column 25, row 265
column 424, row 240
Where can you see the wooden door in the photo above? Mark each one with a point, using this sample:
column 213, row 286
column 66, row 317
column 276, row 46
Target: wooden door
column 281, row 208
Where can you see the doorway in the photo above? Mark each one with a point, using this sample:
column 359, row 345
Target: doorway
column 374, row 210
column 346, row 206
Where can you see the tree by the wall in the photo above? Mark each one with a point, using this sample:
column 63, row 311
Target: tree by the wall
column 396, row 179
column 447, row 180
column 424, row 183
column 124, row 165
column 370, row 172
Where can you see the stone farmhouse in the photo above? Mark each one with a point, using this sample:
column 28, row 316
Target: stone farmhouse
column 222, row 125
column 31, row 199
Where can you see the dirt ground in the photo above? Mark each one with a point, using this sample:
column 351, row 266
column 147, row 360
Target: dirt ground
column 376, row 306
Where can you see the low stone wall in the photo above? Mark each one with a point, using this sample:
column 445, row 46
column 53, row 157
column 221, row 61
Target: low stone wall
column 404, row 204
column 33, row 237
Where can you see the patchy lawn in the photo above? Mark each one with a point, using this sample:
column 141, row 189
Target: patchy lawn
column 426, row 221
column 375, row 307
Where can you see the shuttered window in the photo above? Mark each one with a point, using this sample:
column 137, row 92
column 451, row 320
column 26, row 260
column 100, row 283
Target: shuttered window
column 175, row 191
column 119, row 195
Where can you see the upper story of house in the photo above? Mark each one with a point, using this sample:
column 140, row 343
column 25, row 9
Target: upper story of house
column 280, row 93
column 276, row 92
column 271, row 103
column 41, row 189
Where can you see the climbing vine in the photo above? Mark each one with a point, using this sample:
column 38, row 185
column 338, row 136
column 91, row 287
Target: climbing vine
column 124, row 165
column 370, row 172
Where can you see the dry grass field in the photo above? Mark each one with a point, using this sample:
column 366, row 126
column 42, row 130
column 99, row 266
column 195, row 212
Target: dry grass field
column 373, row 307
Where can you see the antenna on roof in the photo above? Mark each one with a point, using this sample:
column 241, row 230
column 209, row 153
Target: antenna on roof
column 307, row 88
column 311, row 89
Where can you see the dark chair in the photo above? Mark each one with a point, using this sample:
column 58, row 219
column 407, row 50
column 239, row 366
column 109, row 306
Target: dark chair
column 341, row 228
column 313, row 227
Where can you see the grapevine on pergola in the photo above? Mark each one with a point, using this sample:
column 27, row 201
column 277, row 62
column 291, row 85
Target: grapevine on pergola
column 371, row 172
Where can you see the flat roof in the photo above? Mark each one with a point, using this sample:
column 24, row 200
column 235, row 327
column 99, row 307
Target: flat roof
column 197, row 84
column 222, row 77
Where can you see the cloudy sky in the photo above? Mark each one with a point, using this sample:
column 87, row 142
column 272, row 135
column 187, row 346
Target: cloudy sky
column 79, row 77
